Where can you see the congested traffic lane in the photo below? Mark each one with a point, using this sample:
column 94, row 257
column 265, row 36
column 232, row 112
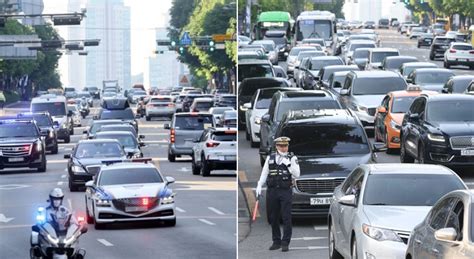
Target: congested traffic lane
column 310, row 236
column 205, row 208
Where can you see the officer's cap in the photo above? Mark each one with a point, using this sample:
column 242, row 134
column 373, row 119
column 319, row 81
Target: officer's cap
column 282, row 141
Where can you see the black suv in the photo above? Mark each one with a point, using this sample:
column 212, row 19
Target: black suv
column 439, row 46
column 247, row 89
column 439, row 129
column 283, row 102
column 46, row 127
column 21, row 145
column 329, row 144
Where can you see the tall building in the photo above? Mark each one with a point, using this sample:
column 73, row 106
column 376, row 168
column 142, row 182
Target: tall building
column 109, row 21
column 76, row 63
column 357, row 10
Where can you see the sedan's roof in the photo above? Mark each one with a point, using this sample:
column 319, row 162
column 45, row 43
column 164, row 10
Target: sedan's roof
column 395, row 168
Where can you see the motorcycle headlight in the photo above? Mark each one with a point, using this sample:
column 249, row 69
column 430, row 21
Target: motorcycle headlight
column 380, row 234
column 52, row 240
column 77, row 169
column 167, row 200
column 68, row 241
column 257, row 120
column 394, row 125
column 436, row 137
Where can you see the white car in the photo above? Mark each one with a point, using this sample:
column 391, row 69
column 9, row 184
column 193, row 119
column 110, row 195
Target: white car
column 76, row 115
column 219, row 111
column 378, row 205
column 459, row 54
column 377, row 55
column 160, row 106
column 130, row 191
column 292, row 58
column 216, row 149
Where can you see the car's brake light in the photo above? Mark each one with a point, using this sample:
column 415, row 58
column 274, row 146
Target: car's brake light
column 212, row 144
column 170, row 104
column 80, row 219
column 145, row 201
column 452, row 51
column 172, row 133
column 230, row 132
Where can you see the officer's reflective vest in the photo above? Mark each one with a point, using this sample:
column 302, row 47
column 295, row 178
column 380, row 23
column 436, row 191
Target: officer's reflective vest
column 278, row 176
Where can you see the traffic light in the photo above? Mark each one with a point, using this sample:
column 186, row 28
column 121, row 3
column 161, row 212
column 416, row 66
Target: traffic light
column 181, row 50
column 173, row 44
column 67, row 20
column 211, row 45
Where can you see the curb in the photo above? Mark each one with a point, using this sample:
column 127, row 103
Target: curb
column 245, row 222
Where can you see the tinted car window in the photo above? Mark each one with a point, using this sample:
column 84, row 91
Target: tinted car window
column 362, row 45
column 95, row 150
column 193, row 122
column 318, row 64
column 442, row 41
column 43, row 121
column 462, row 47
column 277, row 40
column 248, row 71
column 250, row 89
column 284, row 107
column 205, row 105
column 326, row 139
column 224, row 136
column 126, row 114
column 129, row 176
column 379, row 56
column 125, row 140
column 432, row 78
column 54, row 109
column 408, row 189
column 361, row 54
column 18, row 130
column 395, row 64
column 402, row 104
column 264, row 99
column 451, row 110
column 459, row 86
column 377, row 86
column 296, row 51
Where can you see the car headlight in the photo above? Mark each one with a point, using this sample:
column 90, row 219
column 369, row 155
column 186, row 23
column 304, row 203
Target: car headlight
column 257, row 120
column 363, row 109
column 436, row 137
column 103, row 202
column 64, row 126
column 394, row 125
column 39, row 146
column 51, row 134
column 167, row 200
column 77, row 169
column 380, row 234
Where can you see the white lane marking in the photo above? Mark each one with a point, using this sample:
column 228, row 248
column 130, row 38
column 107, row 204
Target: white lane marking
column 216, row 211
column 308, row 238
column 65, row 169
column 207, row 222
column 180, row 210
column 104, row 242
column 69, row 202
column 63, row 176
column 320, row 228
column 13, row 186
column 5, row 219
column 60, row 183
column 184, row 169
column 308, row 247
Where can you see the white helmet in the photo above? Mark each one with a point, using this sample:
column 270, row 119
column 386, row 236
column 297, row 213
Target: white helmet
column 56, row 197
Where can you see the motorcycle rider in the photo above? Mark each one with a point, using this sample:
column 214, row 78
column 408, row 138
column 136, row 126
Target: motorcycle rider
column 141, row 107
column 84, row 107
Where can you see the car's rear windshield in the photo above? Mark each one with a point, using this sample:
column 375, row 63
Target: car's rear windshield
column 193, row 122
column 12, row 130
column 129, row 176
column 99, row 149
column 408, row 69
column 432, row 77
column 402, row 104
column 255, row 70
column 308, row 104
column 377, row 57
column 378, row 86
column 96, row 126
column 224, row 136
column 460, row 85
column 451, row 111
column 361, row 54
column 204, row 105
column 220, row 110
column 128, row 141
column 326, row 139
column 42, row 120
column 80, row 95
column 117, row 127
column 296, row 51
column 250, row 89
column 161, row 100
column 361, row 45
column 126, row 114
column 444, row 41
column 396, row 63
column 318, row 64
column 54, row 109
column 408, row 189
column 277, row 40
column 462, row 47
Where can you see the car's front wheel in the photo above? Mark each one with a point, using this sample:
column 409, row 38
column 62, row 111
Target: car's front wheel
column 404, row 157
column 171, row 157
column 195, row 168
column 205, row 168
column 170, row 223
column 354, row 249
column 333, row 253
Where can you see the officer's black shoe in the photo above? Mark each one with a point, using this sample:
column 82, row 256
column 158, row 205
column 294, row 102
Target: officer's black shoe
column 275, row 246
column 284, row 248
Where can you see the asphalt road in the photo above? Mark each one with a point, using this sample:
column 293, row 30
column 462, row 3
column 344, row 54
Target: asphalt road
column 310, row 235
column 206, row 215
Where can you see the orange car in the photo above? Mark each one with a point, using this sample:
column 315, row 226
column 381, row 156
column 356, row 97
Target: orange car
column 389, row 115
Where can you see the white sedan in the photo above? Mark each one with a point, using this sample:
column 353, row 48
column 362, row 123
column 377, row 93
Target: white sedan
column 459, row 53
column 130, row 191
column 378, row 205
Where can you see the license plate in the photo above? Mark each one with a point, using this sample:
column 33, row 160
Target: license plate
column 467, row 152
column 320, row 201
column 229, row 157
column 462, row 59
column 135, row 208
column 15, row 159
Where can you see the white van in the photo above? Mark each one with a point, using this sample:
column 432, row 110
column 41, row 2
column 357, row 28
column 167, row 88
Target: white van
column 57, row 108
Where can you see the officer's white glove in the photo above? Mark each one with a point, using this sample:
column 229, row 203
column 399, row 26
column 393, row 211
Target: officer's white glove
column 286, row 161
column 258, row 191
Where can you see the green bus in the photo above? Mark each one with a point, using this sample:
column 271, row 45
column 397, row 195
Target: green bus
column 273, row 21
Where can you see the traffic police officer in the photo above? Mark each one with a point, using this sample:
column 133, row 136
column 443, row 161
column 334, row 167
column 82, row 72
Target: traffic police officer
column 278, row 172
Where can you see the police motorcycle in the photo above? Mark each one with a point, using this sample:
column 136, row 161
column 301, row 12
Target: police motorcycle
column 84, row 108
column 141, row 108
column 56, row 232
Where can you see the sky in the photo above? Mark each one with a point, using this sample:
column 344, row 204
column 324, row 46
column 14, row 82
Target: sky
column 145, row 16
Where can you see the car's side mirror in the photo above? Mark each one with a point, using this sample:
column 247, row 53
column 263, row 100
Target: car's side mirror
column 380, row 67
column 286, row 54
column 166, row 126
column 84, row 132
column 130, row 154
column 35, row 228
column 446, row 234
column 280, row 75
column 297, row 67
column 348, row 200
column 344, row 92
column 409, row 80
column 169, row 180
column 381, row 109
column 337, row 85
column 316, row 78
column 379, row 147
column 141, row 144
column 89, row 183
column 67, row 156
column 137, row 116
column 247, row 105
column 266, row 118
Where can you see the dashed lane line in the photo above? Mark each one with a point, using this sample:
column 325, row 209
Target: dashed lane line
column 216, row 211
column 60, row 183
column 320, row 228
column 308, row 247
column 307, row 238
column 104, row 242
column 207, row 222
column 63, row 176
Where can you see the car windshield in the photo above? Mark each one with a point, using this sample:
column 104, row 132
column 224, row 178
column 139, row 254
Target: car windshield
column 397, row 63
column 128, row 141
column 129, row 176
column 277, row 40
column 255, row 70
column 432, row 78
column 317, row 64
column 378, row 86
column 43, row 121
column 304, row 54
column 264, row 98
column 54, row 109
column 13, row 130
column 313, row 29
column 220, row 110
column 204, row 105
column 92, row 89
column 402, row 104
column 377, row 57
column 451, row 111
column 161, row 100
column 362, row 45
column 224, row 136
column 193, row 122
column 250, row 89
column 87, row 95
column 361, row 54
column 96, row 150
column 310, row 104
column 126, row 114
column 139, row 93
column 326, row 139
column 408, row 189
